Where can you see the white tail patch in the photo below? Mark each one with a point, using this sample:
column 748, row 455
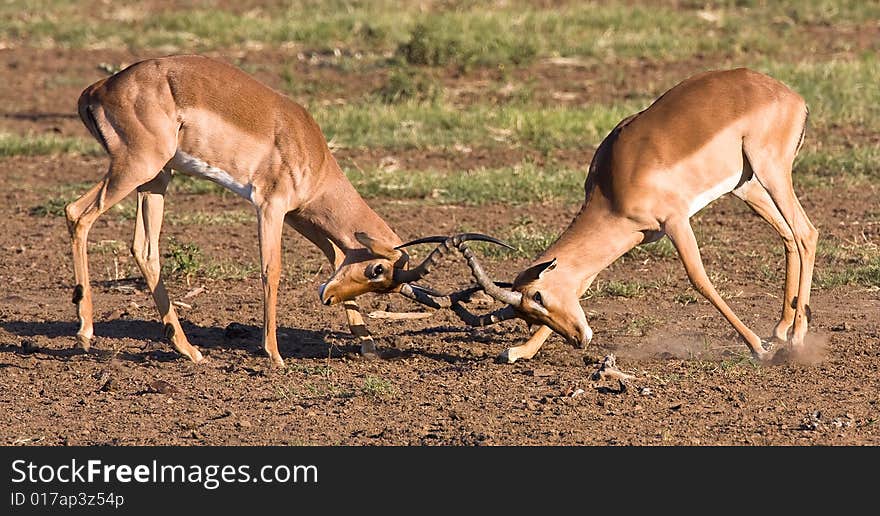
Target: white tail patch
column 192, row 165
column 725, row 186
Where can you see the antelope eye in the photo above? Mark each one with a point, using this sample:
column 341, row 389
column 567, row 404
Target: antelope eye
column 375, row 271
column 537, row 298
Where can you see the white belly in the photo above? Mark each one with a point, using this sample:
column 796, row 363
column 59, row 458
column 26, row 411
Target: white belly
column 702, row 200
column 193, row 166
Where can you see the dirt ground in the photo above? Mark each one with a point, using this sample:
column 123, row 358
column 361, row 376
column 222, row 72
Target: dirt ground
column 440, row 383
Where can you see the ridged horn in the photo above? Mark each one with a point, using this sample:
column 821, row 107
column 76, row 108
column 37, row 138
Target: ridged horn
column 446, row 245
column 498, row 293
column 502, row 314
column 434, row 299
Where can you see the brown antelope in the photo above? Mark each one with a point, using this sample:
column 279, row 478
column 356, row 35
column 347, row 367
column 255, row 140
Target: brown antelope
column 732, row 131
column 206, row 118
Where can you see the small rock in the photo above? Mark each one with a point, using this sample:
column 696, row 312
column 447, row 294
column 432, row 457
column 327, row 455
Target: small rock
column 676, row 406
column 162, row 387
column 108, row 386
column 577, row 392
column 28, row 346
column 244, row 423
column 840, row 423
column 646, row 391
column 841, row 327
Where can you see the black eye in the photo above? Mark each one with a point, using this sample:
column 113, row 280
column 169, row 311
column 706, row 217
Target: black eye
column 375, row 271
column 537, row 298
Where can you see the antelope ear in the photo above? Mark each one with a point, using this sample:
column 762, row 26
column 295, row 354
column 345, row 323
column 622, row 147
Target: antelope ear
column 377, row 248
column 535, row 272
column 544, row 267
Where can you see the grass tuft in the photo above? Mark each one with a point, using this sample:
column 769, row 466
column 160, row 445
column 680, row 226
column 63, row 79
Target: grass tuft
column 46, row 144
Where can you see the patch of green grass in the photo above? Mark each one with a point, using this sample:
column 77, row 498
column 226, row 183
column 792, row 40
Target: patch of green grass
column 182, row 259
column 740, row 361
column 182, row 183
column 46, row 144
column 52, row 207
column 318, row 382
column 378, row 388
column 685, row 298
column 523, row 183
column 467, row 40
column 322, row 370
column 108, row 247
column 440, row 33
column 65, row 194
column 840, row 264
column 409, row 85
column 616, row 288
column 527, row 238
column 662, row 249
column 311, row 382
column 438, row 126
column 831, row 167
column 841, row 94
column 639, row 326
column 200, row 218
column 231, row 270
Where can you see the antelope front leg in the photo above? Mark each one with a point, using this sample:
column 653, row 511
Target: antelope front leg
column 359, row 329
column 271, row 223
column 145, row 249
column 682, row 236
column 528, row 349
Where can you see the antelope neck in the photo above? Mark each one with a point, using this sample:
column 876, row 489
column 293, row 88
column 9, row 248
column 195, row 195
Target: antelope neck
column 338, row 211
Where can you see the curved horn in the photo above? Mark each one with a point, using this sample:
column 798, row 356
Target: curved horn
column 430, row 297
column 499, row 294
column 502, row 314
column 434, row 299
column 446, row 245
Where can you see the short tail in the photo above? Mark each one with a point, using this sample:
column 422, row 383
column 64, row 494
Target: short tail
column 803, row 129
column 87, row 115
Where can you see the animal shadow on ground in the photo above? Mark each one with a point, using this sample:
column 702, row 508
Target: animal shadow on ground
column 55, row 339
column 449, row 335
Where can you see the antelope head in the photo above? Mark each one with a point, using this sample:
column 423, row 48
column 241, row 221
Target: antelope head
column 379, row 268
column 545, row 293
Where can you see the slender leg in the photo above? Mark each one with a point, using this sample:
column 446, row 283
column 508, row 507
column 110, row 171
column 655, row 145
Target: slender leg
column 271, row 223
column 359, row 329
column 682, row 236
column 123, row 177
column 806, row 237
column 145, row 249
column 528, row 349
column 79, row 232
column 760, row 201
